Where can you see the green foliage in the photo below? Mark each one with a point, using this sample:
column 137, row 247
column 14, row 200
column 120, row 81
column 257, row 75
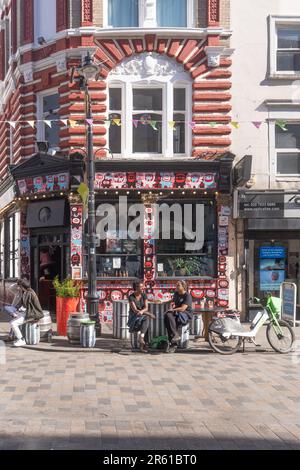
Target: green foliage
column 66, row 288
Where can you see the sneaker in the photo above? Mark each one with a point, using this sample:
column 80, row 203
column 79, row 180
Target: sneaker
column 19, row 343
column 176, row 339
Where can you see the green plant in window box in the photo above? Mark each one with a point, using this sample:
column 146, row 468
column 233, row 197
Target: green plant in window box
column 190, row 266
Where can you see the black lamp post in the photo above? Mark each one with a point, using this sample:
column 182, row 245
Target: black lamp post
column 87, row 72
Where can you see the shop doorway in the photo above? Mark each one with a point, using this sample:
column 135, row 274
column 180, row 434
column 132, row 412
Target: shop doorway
column 50, row 254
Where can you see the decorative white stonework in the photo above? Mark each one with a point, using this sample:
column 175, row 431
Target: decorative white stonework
column 148, row 64
column 28, row 75
column 61, row 63
column 214, row 54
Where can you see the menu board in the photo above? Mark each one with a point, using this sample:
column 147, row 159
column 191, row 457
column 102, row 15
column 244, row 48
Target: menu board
column 272, row 261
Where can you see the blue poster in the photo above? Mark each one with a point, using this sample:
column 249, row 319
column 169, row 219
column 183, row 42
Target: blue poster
column 276, row 252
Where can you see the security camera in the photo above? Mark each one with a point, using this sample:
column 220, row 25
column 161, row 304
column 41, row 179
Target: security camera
column 43, row 147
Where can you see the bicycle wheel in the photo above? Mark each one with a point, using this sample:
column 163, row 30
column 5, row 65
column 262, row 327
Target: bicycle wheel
column 281, row 343
column 223, row 345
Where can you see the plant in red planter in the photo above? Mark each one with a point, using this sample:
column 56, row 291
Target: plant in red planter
column 67, row 302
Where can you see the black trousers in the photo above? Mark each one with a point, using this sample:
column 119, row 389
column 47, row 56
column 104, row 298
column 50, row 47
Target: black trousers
column 171, row 325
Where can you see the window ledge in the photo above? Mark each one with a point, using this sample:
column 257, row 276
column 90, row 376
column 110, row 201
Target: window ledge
column 287, row 178
column 284, row 76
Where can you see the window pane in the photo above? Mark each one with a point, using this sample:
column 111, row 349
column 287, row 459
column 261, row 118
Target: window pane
column 288, row 163
column 179, row 99
column 289, row 38
column 115, row 135
column 123, row 13
column 288, row 61
column 147, row 99
column 179, row 134
column 145, row 138
column 50, row 103
column 115, row 99
column 289, row 139
column 171, row 13
column 187, row 266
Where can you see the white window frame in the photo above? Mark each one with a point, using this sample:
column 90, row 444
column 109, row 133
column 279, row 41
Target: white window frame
column 289, row 118
column 127, row 84
column 151, row 22
column 12, row 264
column 274, row 23
column 41, row 135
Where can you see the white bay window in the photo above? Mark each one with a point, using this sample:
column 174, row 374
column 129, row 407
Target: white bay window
column 148, row 121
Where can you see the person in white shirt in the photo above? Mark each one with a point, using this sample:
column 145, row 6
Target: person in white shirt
column 16, row 309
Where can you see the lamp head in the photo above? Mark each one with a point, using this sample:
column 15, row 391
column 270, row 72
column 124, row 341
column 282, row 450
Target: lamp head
column 89, row 69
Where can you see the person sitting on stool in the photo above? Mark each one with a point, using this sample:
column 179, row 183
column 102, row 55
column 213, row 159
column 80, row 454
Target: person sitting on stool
column 138, row 314
column 180, row 314
column 32, row 311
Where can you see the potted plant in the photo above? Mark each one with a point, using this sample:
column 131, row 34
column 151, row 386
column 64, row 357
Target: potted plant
column 67, row 301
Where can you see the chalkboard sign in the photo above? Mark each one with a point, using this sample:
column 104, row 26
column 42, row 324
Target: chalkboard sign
column 289, row 300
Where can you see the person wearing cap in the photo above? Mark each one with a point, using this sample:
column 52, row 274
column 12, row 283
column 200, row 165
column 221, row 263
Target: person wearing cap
column 29, row 310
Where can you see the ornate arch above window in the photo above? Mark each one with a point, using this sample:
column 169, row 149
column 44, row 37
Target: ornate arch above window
column 150, row 100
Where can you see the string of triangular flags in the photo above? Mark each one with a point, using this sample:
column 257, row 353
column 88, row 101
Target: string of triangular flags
column 143, row 121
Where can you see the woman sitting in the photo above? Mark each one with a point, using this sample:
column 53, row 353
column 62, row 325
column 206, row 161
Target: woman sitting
column 139, row 316
column 180, row 314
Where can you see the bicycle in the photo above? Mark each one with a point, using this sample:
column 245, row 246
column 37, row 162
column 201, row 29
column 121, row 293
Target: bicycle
column 226, row 335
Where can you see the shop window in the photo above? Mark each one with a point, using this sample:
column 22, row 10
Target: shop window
column 123, row 13
column 288, row 149
column 12, row 245
column 119, row 256
column 48, row 109
column 171, row 13
column 288, row 48
column 44, row 19
column 174, row 260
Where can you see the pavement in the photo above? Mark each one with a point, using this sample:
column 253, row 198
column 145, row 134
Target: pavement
column 52, row 399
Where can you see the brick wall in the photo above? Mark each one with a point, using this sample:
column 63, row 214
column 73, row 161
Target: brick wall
column 98, row 13
column 201, row 13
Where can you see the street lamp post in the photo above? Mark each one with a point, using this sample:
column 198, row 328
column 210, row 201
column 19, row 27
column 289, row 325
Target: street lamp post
column 88, row 72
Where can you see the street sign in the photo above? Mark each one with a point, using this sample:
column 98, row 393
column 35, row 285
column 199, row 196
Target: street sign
column 288, row 294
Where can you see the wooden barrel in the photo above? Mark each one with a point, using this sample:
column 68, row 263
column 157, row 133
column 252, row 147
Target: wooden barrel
column 45, row 325
column 120, row 319
column 73, row 326
column 88, row 334
column 32, row 333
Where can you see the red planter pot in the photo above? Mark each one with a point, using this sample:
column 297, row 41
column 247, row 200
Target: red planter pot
column 64, row 307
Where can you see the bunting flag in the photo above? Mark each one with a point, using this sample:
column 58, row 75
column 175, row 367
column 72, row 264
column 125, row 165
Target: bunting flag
column 72, row 123
column 107, row 123
column 192, row 124
column 172, row 124
column 64, row 121
column 31, row 123
column 257, row 124
column 83, row 191
column 235, row 124
column 135, row 122
column 282, row 125
column 12, row 124
column 48, row 123
column 89, row 122
column 153, row 125
column 117, row 122
column 212, row 124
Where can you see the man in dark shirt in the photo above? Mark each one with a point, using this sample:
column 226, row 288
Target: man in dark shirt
column 181, row 312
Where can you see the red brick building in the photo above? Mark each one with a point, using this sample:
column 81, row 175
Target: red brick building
column 161, row 128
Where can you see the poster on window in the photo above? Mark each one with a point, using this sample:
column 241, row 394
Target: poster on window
column 272, row 267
